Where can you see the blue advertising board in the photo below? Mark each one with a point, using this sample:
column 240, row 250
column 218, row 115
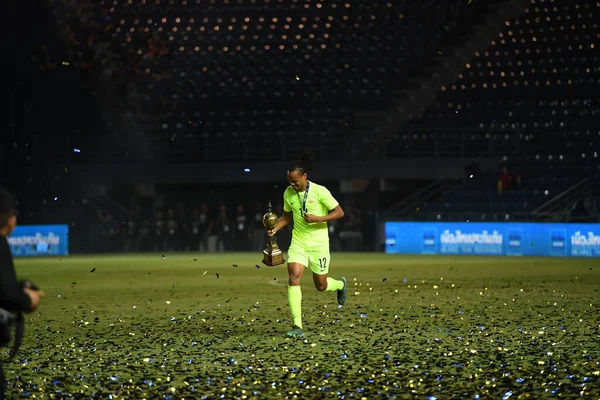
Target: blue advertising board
column 39, row 240
column 493, row 239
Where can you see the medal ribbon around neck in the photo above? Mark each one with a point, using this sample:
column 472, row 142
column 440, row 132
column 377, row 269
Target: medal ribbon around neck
column 303, row 209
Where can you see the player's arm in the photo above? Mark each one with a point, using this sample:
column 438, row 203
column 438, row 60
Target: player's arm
column 335, row 210
column 285, row 219
column 336, row 213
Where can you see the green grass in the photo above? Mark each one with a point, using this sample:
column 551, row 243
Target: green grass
column 141, row 326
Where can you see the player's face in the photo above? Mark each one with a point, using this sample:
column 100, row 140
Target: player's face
column 297, row 181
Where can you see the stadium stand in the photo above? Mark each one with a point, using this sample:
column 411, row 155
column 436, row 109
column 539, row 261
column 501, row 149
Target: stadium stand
column 536, row 78
column 255, row 80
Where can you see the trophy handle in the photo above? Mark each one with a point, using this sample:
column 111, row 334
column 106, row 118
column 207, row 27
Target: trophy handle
column 272, row 243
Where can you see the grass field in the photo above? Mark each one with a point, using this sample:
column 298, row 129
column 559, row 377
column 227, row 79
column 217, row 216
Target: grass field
column 192, row 326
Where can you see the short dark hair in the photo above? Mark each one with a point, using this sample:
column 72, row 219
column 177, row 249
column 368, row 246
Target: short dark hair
column 8, row 206
column 304, row 164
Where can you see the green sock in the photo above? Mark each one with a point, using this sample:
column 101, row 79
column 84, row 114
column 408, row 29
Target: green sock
column 295, row 300
column 334, row 285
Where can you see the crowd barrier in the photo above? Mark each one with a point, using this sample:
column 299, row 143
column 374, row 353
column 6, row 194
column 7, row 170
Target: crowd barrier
column 39, row 240
column 493, row 239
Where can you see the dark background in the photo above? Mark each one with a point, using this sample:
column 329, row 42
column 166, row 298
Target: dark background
column 112, row 116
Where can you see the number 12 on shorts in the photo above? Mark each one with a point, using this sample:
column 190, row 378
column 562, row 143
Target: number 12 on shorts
column 323, row 263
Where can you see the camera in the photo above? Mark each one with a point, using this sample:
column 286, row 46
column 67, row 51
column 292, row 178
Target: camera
column 8, row 319
column 5, row 317
column 28, row 285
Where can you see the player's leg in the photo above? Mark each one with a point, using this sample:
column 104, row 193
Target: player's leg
column 295, row 271
column 319, row 265
column 297, row 260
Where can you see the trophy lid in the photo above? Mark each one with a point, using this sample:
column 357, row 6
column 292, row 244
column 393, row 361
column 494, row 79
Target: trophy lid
column 270, row 219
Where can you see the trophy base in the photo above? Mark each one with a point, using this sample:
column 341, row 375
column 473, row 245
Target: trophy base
column 273, row 258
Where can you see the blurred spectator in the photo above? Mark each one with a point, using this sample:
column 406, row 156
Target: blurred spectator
column 206, row 226
column 222, row 229
column 242, row 233
column 72, row 41
column 159, row 232
column 196, row 233
column 351, row 234
column 132, row 235
column 507, row 181
column 284, row 238
column 86, row 60
column 183, row 222
column 259, row 233
column 111, row 233
column 579, row 211
column 104, row 22
column 145, row 235
column 172, row 240
column 151, row 50
column 334, row 237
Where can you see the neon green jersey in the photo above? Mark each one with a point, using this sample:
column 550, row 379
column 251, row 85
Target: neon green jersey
column 318, row 202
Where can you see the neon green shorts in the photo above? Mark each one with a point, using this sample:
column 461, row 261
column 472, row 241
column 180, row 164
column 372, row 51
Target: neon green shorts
column 317, row 259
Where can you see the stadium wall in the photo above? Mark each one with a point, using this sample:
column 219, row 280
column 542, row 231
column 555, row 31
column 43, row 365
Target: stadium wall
column 493, row 239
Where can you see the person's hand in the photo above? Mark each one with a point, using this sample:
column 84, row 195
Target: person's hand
column 311, row 218
column 271, row 232
column 34, row 296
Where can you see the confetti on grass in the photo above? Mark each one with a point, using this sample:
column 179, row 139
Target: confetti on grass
column 454, row 342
